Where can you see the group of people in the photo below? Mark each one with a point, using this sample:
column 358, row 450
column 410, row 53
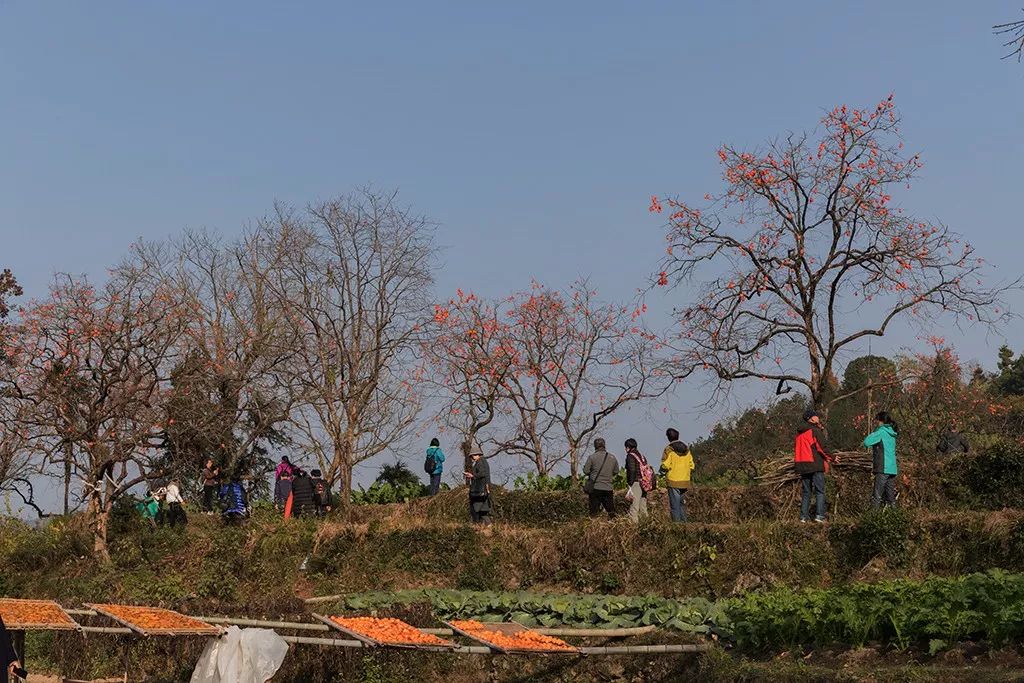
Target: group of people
column 676, row 466
column 164, row 505
column 298, row 493
column 812, row 462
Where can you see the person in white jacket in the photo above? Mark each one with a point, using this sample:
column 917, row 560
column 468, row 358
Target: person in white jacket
column 175, row 511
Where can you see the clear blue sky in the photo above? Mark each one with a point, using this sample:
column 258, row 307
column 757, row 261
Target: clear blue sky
column 532, row 132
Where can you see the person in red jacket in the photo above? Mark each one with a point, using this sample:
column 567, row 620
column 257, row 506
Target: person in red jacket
column 811, row 462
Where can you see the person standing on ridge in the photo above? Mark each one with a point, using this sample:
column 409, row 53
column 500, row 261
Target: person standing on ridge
column 479, row 479
column 640, row 479
column 434, row 466
column 677, row 466
column 211, row 477
column 811, row 463
column 599, row 474
column 882, row 443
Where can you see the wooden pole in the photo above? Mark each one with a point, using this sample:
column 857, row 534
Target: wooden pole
column 261, row 623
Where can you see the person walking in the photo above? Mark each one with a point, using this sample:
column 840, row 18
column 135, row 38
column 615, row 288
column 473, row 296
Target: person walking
column 321, row 493
column 175, row 511
column 677, row 466
column 211, row 477
column 599, row 473
column 479, row 479
column 811, row 463
column 882, row 443
column 434, row 466
column 282, row 490
column 303, row 495
column 640, row 479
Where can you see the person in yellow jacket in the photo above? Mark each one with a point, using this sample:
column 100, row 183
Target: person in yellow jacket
column 677, row 466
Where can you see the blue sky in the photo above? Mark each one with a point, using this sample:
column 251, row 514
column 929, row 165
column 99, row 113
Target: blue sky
column 532, row 132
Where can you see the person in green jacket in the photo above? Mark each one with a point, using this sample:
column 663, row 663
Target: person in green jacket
column 882, row 442
column 149, row 507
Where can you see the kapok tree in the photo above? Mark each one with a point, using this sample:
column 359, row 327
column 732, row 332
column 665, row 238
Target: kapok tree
column 94, row 366
column 579, row 361
column 803, row 256
column 473, row 355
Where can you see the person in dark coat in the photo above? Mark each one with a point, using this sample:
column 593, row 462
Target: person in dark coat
column 321, row 493
column 282, row 489
column 599, row 473
column 479, row 479
column 8, row 656
column 303, row 495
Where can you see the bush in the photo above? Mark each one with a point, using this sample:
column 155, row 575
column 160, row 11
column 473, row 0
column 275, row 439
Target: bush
column 882, row 533
column 992, row 478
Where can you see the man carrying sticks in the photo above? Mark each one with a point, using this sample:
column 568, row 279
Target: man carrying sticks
column 811, row 463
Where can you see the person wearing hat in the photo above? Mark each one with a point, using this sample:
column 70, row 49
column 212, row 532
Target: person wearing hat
column 811, row 462
column 479, row 479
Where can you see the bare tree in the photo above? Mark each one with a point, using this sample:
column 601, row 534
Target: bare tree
column 1015, row 31
column 354, row 284
column 94, row 365
column 230, row 393
column 811, row 258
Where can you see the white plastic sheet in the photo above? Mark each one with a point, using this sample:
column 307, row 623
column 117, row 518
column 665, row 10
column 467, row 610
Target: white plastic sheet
column 252, row 655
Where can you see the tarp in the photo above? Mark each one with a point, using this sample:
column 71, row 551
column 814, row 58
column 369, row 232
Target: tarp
column 251, row 655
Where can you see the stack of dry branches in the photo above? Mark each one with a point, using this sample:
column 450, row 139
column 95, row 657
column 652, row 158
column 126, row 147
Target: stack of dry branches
column 781, row 470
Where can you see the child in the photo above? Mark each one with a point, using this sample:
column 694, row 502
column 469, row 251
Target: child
column 677, row 466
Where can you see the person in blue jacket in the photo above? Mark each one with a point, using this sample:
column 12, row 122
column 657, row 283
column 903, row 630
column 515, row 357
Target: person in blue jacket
column 882, row 443
column 234, row 501
column 435, row 456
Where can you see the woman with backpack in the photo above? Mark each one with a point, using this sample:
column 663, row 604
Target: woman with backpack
column 640, row 481
column 434, row 465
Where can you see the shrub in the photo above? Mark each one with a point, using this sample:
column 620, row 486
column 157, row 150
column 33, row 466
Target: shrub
column 882, row 533
column 991, row 478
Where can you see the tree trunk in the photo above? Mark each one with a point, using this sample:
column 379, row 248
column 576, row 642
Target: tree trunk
column 343, row 465
column 98, row 517
column 68, row 452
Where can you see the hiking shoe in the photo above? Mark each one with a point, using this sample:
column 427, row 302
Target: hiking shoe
column 804, row 521
column 820, row 520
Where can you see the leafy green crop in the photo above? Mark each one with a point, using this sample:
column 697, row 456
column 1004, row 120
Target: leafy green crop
column 933, row 612
column 693, row 615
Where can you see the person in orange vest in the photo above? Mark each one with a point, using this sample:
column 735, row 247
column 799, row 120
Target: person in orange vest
column 812, row 462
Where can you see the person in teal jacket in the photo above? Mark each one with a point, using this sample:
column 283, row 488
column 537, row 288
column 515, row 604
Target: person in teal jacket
column 435, row 455
column 882, row 442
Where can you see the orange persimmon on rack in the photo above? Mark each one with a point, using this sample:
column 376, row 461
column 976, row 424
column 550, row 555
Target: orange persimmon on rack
column 512, row 638
column 150, row 621
column 385, row 632
column 35, row 615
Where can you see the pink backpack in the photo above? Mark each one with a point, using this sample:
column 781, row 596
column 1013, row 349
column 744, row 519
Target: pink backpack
column 648, row 480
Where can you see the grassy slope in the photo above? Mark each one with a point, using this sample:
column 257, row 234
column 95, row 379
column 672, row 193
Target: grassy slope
column 254, row 571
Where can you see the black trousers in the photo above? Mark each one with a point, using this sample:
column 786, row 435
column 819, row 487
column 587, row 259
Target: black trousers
column 209, row 493
column 601, row 499
column 176, row 514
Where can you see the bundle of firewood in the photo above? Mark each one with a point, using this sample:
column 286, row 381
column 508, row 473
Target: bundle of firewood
column 781, row 470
